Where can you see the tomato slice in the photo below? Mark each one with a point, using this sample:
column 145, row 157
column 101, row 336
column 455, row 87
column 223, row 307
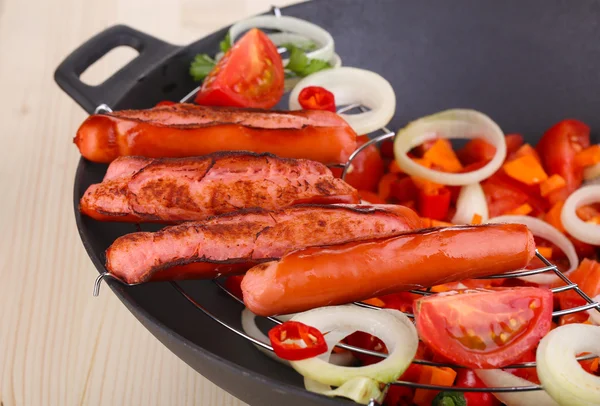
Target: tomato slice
column 557, row 149
column 484, row 328
column 282, row 339
column 367, row 168
column 250, row 74
column 366, row 341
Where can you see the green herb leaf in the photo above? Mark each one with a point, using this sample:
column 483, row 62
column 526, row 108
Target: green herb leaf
column 226, row 43
column 301, row 65
column 201, row 66
column 306, row 46
column 449, row 399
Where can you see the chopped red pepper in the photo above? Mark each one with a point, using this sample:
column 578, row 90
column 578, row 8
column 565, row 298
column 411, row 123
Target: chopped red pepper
column 293, row 330
column 434, row 204
column 316, row 98
column 466, row 378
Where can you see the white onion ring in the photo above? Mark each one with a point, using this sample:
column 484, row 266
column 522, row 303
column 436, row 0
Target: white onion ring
column 456, row 123
column 586, row 232
column 544, row 230
column 557, row 367
column 471, row 201
column 351, row 86
column 391, row 326
column 293, row 25
column 498, row 378
column 595, row 314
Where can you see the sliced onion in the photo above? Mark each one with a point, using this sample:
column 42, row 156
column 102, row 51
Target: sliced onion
column 456, row 123
column 293, row 25
column 354, row 86
column 548, row 232
column 592, row 173
column 557, row 367
column 496, row 378
column 595, row 314
column 471, row 201
column 586, row 232
column 391, row 326
column 361, row 390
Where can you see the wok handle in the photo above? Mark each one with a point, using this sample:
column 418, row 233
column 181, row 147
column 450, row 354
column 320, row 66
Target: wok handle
column 151, row 51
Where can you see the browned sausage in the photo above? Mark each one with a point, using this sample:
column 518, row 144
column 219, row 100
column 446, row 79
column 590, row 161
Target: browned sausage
column 183, row 130
column 322, row 276
column 172, row 190
column 237, row 241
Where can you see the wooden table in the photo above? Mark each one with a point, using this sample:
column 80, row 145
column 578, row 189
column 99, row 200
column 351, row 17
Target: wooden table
column 58, row 344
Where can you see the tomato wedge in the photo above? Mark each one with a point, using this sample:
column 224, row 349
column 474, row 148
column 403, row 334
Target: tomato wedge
column 250, row 74
column 484, row 328
column 366, row 169
column 282, row 339
column 557, row 149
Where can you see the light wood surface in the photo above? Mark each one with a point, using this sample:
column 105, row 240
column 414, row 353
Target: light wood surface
column 58, row 344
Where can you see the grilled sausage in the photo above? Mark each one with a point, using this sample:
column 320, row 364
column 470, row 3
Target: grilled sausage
column 183, row 130
column 323, row 276
column 173, row 190
column 235, row 242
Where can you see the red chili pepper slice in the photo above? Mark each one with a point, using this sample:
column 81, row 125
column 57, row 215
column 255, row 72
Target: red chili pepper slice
column 293, row 330
column 316, row 98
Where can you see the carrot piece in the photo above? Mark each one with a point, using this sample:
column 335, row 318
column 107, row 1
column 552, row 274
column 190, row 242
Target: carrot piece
column 423, row 162
column 594, row 220
column 375, row 301
column 385, row 185
column 589, row 156
column 587, row 212
column 525, row 150
column 432, row 376
column 441, row 154
column 551, row 184
column 553, row 216
column 477, row 219
column 526, row 169
column 523, row 210
column 438, row 223
column 394, row 167
column 425, row 222
column 545, row 251
column 426, row 186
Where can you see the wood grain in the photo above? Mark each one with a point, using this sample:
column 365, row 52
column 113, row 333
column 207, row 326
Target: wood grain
column 57, row 342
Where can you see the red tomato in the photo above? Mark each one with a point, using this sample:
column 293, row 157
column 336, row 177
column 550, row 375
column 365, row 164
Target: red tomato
column 368, row 342
column 513, row 143
column 484, row 328
column 587, row 276
column 504, row 194
column 165, row 103
column 250, row 74
column 466, row 378
column 404, row 189
column 387, row 149
column 402, row 301
column 399, row 396
column 476, row 150
column 434, row 205
column 367, row 168
column 557, row 150
column 573, row 318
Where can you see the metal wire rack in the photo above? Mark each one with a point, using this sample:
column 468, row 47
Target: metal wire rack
column 386, row 134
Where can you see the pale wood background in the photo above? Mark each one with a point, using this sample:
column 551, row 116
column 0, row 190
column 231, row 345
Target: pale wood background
column 58, row 345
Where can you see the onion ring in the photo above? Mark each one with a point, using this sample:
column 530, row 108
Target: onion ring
column 354, row 86
column 586, row 232
column 550, row 233
column 456, row 123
